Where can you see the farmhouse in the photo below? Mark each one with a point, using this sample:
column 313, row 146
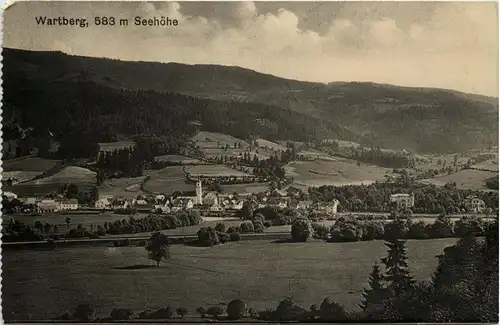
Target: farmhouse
column 211, row 198
column 120, row 204
column 182, row 203
column 474, row 204
column 46, row 206
column 103, row 203
column 9, row 195
column 67, row 205
column 304, row 205
column 216, row 207
column 403, row 201
column 329, row 208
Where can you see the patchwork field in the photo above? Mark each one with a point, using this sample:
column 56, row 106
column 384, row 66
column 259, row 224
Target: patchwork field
column 178, row 159
column 336, row 172
column 213, row 170
column 167, row 180
column 466, row 179
column 195, row 277
column 122, row 187
column 31, row 164
column 81, row 177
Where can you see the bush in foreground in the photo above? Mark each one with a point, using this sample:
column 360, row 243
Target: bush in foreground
column 236, row 309
column 301, row 230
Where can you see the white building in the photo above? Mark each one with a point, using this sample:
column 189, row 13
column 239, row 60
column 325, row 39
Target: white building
column 102, row 203
column 45, row 206
column 403, row 201
column 68, row 205
column 216, row 208
column 9, row 195
column 210, row 199
column 475, row 204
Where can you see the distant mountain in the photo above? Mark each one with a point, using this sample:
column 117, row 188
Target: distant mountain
column 422, row 119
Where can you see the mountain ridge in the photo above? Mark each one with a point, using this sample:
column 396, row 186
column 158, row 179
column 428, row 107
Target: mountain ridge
column 392, row 116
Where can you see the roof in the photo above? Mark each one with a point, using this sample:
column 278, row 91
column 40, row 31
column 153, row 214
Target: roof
column 72, row 201
column 112, row 146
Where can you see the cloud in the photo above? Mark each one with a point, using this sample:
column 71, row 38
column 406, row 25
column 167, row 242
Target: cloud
column 449, row 45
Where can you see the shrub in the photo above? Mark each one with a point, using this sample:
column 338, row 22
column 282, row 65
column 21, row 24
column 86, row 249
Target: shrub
column 467, row 225
column 253, row 313
column 320, row 231
column 234, row 236
column 121, row 314
column 202, row 311
column 417, row 230
column 207, row 236
column 181, row 311
column 83, row 313
column 268, row 223
column 396, row 229
column 346, row 231
column 223, row 237
column 220, row 227
column 258, row 225
column 374, row 230
column 247, row 227
column 441, row 228
column 215, row 311
column 233, row 229
column 236, row 309
column 301, row 230
column 259, row 216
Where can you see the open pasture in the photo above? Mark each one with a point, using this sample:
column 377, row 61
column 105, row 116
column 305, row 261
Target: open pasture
column 212, row 140
column 259, row 272
column 21, row 176
column 213, row 170
column 122, row 187
column 245, row 188
column 167, row 180
column 339, row 172
column 465, row 179
column 29, row 164
column 266, row 144
column 178, row 159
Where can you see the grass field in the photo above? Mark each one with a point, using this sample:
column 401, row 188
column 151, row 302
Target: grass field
column 259, row 272
column 465, row 179
column 245, row 188
column 31, row 164
column 209, row 140
column 122, row 187
column 69, row 175
column 167, row 180
column 178, row 159
column 213, row 170
column 337, row 172
column 21, row 176
column 262, row 143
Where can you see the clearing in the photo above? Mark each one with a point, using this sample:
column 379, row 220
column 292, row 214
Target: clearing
column 122, row 187
column 213, row 170
column 338, row 172
column 260, row 272
column 167, row 181
column 465, row 179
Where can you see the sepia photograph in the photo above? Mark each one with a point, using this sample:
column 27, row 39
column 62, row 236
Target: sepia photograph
column 326, row 161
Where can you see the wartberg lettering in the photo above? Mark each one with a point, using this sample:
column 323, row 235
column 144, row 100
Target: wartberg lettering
column 61, row 21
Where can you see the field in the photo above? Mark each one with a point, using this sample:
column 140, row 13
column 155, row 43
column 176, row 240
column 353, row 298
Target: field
column 270, row 145
column 167, row 180
column 122, row 187
column 336, row 172
column 259, row 272
column 31, row 164
column 178, row 159
column 245, row 188
column 465, row 179
column 21, row 176
column 81, row 177
column 491, row 165
column 213, row 170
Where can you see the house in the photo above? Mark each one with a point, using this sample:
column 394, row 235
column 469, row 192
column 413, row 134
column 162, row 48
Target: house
column 328, row 208
column 46, row 206
column 210, row 199
column 9, row 195
column 474, row 204
column 139, row 202
column 216, row 208
column 160, row 198
column 120, row 204
column 182, row 204
column 403, row 201
column 304, row 205
column 102, row 203
column 161, row 209
column 68, row 205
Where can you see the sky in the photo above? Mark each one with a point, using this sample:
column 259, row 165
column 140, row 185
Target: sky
column 451, row 45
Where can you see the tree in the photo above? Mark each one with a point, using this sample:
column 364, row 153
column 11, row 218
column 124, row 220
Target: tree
column 158, row 247
column 202, row 311
column 181, row 311
column 375, row 294
column 67, row 221
column 83, row 313
column 236, row 309
column 301, row 230
column 215, row 311
column 38, row 226
column 396, row 267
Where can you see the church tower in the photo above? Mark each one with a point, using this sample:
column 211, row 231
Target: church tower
column 199, row 192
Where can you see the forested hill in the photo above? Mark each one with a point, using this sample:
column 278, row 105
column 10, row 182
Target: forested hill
column 395, row 117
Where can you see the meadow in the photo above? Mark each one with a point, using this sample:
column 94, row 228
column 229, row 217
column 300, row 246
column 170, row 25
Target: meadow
column 308, row 272
column 213, row 170
column 338, row 172
column 167, row 180
column 465, row 179
column 29, row 164
column 122, row 187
